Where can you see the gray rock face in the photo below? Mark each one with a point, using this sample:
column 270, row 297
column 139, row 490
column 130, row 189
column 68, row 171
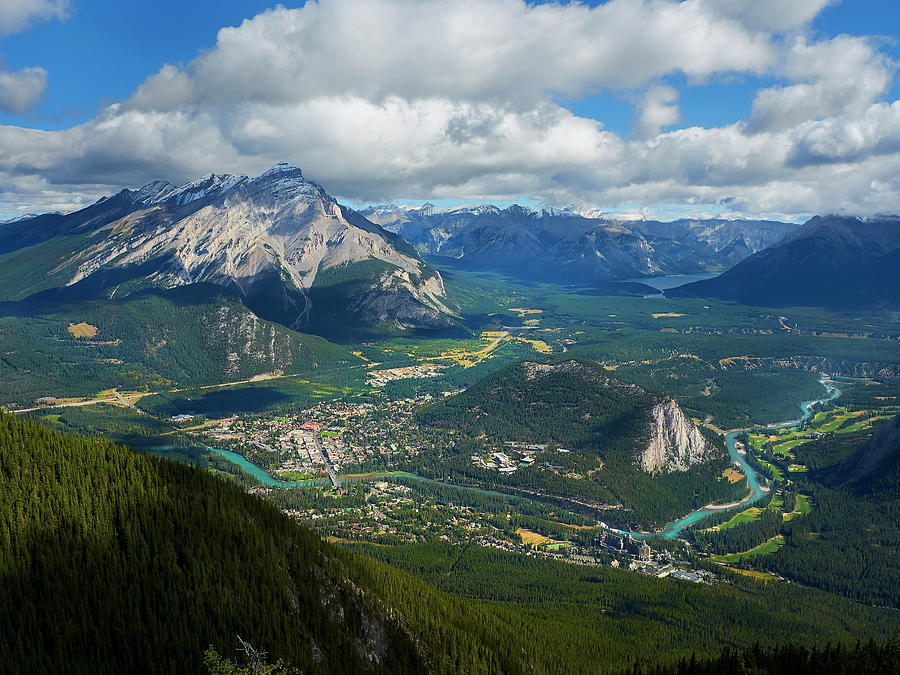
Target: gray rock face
column 675, row 443
column 269, row 237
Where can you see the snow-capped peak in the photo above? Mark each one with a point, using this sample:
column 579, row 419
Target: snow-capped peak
column 279, row 170
column 210, row 184
column 154, row 192
column 160, row 191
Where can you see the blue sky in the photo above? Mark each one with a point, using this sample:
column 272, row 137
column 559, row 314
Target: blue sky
column 97, row 54
column 104, row 50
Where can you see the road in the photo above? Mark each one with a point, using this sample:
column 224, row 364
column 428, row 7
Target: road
column 332, row 474
column 113, row 398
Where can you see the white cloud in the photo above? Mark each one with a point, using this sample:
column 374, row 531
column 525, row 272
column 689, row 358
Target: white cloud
column 22, row 89
column 773, row 15
column 658, row 109
column 16, row 15
column 842, row 76
column 382, row 99
column 485, row 50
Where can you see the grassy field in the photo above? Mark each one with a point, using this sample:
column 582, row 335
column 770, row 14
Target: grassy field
column 82, row 330
column 530, row 538
column 733, row 475
column 755, row 574
column 294, row 475
column 767, row 548
column 744, row 516
column 776, row 472
column 803, row 506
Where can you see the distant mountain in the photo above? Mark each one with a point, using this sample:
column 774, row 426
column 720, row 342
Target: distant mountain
column 831, row 261
column 16, row 219
column 286, row 247
column 575, row 245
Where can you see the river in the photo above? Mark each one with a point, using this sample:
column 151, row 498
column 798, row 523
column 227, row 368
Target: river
column 671, row 530
column 757, row 491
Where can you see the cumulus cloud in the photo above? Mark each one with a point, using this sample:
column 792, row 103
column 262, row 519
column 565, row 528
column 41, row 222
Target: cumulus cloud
column 382, row 99
column 16, row 15
column 22, row 89
column 842, row 76
column 774, row 15
column 494, row 50
column 659, row 109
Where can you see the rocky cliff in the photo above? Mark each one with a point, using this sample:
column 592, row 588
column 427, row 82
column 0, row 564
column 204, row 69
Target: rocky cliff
column 676, row 443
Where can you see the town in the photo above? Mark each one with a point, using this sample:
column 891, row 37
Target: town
column 336, row 464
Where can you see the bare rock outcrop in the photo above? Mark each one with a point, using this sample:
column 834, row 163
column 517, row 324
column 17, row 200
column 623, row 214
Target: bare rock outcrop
column 676, row 443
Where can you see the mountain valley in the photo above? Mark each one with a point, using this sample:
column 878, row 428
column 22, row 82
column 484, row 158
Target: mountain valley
column 497, row 399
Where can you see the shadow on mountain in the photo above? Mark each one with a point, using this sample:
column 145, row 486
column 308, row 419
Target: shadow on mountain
column 149, row 563
column 244, row 400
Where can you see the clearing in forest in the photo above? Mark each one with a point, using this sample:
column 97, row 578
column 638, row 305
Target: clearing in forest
column 530, row 538
column 82, row 330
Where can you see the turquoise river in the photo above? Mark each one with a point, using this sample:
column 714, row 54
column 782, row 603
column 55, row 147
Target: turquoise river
column 672, row 530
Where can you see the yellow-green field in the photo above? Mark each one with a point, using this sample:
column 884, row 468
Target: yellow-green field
column 82, row 330
column 762, row 576
column 766, row 548
column 530, row 538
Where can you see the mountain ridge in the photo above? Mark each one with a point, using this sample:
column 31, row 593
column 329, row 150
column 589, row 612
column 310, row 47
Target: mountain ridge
column 575, row 244
column 268, row 237
column 839, row 262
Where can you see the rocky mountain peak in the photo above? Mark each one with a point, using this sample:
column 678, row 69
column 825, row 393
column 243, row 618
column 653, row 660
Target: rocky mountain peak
column 676, row 443
column 270, row 238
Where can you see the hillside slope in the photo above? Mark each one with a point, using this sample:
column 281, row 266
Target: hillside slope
column 112, row 561
column 621, row 445
column 832, row 261
column 149, row 341
column 877, row 458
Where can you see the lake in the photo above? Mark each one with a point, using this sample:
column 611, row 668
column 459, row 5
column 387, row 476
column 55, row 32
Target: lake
column 665, row 282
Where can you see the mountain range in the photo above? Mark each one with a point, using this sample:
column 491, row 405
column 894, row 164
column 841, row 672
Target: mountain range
column 832, row 261
column 575, row 245
column 278, row 241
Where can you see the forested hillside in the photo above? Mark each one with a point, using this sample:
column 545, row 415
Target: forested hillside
column 147, row 342
column 850, row 543
column 603, row 424
column 112, row 561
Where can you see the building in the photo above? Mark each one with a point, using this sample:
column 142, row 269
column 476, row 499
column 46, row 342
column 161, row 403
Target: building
column 644, row 552
column 684, row 575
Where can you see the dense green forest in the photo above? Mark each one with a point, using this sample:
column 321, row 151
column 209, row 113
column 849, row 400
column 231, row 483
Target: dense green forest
column 113, row 561
column 602, row 421
column 868, row 658
column 591, row 615
column 849, row 543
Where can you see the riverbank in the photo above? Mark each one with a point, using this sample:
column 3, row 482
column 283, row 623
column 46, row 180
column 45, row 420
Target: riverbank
column 670, row 531
column 757, row 491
